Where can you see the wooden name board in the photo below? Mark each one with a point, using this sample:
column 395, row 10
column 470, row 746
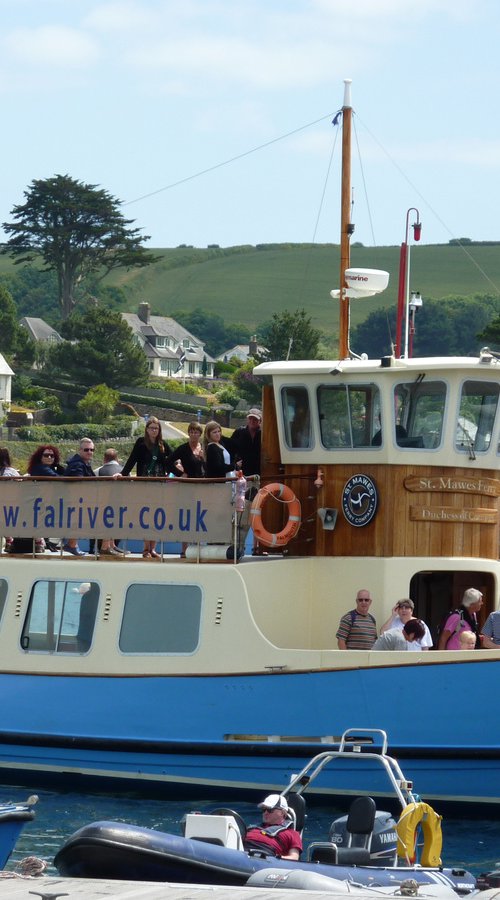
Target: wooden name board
column 452, row 514
column 467, row 484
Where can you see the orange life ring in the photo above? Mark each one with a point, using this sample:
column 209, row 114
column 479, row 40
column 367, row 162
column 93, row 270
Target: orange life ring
column 285, row 494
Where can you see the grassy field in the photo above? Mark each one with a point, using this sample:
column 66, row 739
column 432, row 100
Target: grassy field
column 249, row 284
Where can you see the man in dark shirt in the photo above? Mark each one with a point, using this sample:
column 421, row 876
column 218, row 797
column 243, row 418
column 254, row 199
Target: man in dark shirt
column 245, row 444
column 79, row 466
column 275, row 835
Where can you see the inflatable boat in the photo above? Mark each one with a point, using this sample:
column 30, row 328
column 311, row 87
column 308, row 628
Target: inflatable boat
column 366, row 847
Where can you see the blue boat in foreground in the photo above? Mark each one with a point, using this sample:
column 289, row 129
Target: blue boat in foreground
column 219, row 673
column 13, row 818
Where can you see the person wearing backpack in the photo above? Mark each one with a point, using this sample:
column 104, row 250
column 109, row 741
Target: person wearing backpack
column 462, row 619
column 357, row 628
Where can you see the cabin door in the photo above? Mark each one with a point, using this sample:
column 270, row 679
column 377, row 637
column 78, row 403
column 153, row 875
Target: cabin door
column 435, row 593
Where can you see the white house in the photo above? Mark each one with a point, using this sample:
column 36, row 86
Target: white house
column 171, row 350
column 6, row 374
column 243, row 352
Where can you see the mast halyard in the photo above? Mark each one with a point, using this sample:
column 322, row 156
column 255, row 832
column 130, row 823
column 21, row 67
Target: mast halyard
column 345, row 223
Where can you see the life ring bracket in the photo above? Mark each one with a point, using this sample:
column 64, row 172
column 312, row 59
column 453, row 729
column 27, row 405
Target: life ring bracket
column 284, row 494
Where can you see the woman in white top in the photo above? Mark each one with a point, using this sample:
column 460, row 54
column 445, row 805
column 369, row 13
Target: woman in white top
column 401, row 613
column 6, row 470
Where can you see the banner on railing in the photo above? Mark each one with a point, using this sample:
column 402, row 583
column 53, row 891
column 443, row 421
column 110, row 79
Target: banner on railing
column 172, row 509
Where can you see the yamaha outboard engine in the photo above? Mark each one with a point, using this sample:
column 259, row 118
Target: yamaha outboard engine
column 383, row 849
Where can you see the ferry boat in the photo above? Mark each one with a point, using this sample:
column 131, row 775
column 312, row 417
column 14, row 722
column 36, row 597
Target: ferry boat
column 219, row 672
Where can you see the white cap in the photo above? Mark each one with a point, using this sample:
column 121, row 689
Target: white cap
column 274, row 801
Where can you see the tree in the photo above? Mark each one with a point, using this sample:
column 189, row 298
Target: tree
column 34, row 293
column 77, row 230
column 446, row 327
column 8, row 323
column 98, row 403
column 247, row 384
column 211, row 328
column 99, row 349
column 14, row 341
column 290, row 336
column 491, row 333
column 375, row 334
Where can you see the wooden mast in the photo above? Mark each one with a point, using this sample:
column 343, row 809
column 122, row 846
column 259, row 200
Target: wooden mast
column 345, row 224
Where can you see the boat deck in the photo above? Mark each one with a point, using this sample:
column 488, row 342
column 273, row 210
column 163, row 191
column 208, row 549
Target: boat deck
column 131, row 556
column 16, row 888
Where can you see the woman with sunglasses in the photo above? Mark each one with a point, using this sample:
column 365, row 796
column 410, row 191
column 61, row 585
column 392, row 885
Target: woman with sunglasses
column 401, row 613
column 45, row 461
column 149, row 455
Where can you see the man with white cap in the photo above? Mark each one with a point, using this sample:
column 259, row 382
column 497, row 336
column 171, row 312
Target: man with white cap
column 275, row 835
column 245, row 443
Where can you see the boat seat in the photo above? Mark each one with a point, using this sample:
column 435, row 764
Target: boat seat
column 218, row 829
column 323, row 852
column 353, row 856
column 360, row 823
column 297, row 807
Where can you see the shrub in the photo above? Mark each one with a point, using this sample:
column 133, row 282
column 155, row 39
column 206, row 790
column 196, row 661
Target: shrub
column 228, row 395
column 98, row 403
column 116, row 428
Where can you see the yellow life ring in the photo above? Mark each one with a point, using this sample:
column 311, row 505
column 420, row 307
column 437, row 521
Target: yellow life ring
column 415, row 814
column 285, row 494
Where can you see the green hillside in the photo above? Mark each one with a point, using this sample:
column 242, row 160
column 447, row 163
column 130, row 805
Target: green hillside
column 248, row 284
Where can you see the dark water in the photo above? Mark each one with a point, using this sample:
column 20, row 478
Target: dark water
column 473, row 844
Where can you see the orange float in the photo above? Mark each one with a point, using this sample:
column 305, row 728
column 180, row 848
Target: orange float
column 284, row 494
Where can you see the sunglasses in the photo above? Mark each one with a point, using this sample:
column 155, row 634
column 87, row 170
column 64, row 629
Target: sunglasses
column 48, row 454
column 88, row 449
column 404, row 606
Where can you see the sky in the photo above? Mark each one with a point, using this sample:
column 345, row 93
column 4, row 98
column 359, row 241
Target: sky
column 211, row 120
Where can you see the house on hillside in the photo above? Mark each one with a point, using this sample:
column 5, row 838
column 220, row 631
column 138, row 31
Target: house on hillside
column 39, row 330
column 243, row 352
column 42, row 334
column 171, row 350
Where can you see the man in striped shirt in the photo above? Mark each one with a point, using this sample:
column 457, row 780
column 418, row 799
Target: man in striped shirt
column 358, row 629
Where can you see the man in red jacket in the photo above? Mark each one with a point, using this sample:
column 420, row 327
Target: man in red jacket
column 275, row 835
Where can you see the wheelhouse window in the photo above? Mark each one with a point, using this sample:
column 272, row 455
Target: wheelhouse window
column 476, row 416
column 61, row 617
column 161, row 618
column 296, row 417
column 419, row 413
column 349, row 416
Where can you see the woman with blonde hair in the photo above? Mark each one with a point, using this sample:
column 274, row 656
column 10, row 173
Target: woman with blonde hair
column 217, row 459
column 149, row 455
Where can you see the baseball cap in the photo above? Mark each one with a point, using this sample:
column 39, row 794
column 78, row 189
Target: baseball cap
column 274, row 801
column 255, row 412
